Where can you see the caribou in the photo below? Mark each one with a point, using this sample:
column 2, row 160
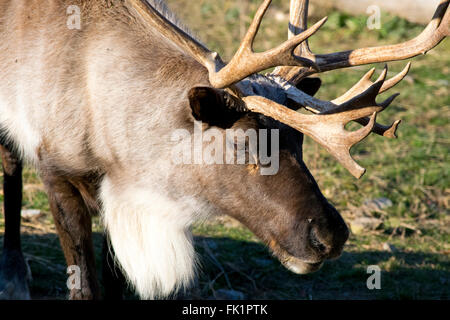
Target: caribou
column 93, row 109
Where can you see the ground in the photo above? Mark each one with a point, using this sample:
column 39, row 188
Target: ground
column 411, row 245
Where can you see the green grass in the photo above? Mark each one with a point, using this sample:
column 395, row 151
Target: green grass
column 411, row 171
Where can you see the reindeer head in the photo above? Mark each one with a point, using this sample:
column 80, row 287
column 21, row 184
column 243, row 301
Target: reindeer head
column 287, row 210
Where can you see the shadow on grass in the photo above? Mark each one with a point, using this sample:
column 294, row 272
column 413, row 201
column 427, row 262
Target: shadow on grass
column 248, row 267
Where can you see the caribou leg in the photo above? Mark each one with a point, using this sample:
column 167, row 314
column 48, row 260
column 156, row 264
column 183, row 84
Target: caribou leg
column 14, row 271
column 74, row 225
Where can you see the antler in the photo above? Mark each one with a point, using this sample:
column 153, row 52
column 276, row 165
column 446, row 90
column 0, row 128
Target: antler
column 245, row 62
column 436, row 30
column 328, row 130
column 363, row 84
column 359, row 88
column 327, row 126
column 432, row 35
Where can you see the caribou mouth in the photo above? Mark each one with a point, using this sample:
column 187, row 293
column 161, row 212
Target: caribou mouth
column 298, row 266
column 292, row 263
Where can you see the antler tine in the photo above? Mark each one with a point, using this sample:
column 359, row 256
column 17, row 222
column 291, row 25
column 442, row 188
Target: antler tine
column 359, row 87
column 432, row 35
column 249, row 38
column 396, row 79
column 326, row 129
column 298, row 17
column 382, row 130
column 298, row 22
column 363, row 94
column 363, row 84
column 246, row 62
column 366, row 98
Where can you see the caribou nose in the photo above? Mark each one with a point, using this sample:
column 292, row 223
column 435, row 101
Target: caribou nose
column 341, row 236
column 327, row 237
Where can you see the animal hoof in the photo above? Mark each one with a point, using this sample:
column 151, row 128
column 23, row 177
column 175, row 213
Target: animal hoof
column 14, row 290
column 14, row 275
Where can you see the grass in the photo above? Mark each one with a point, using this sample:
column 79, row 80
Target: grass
column 411, row 171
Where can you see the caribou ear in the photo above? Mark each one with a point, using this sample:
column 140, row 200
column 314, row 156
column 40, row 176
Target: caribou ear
column 215, row 107
column 309, row 85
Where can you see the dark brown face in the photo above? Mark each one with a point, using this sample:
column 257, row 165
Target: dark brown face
column 286, row 210
column 304, row 229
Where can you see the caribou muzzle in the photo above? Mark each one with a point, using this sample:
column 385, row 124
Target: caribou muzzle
column 325, row 239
